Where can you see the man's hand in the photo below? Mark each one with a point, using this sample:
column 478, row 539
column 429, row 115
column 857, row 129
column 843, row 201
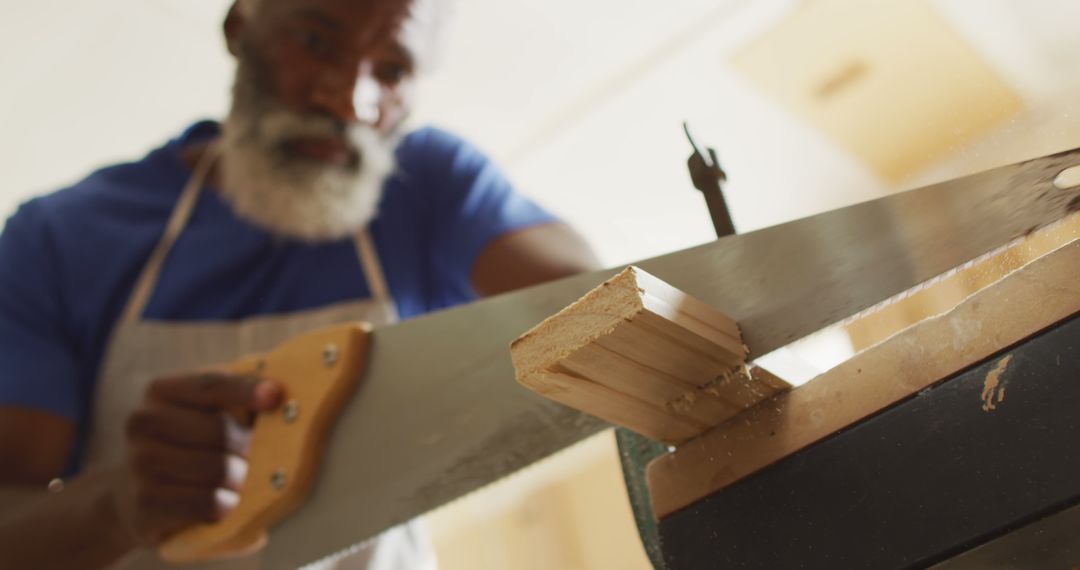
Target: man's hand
column 186, row 450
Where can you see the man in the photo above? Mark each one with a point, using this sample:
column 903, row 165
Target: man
column 308, row 206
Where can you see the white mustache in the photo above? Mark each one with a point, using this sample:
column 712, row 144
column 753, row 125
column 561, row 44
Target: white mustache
column 279, row 126
column 298, row 198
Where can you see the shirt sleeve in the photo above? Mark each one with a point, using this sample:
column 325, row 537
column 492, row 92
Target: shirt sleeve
column 37, row 364
column 475, row 204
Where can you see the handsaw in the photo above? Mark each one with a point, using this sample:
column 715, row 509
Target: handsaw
column 438, row 414
column 637, row 451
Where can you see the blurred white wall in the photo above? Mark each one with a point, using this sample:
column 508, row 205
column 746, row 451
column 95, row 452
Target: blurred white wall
column 580, row 101
column 89, row 83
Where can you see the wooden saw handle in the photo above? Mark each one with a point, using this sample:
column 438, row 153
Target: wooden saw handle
column 318, row 372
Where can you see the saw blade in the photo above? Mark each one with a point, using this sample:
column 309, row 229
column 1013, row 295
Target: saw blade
column 438, row 413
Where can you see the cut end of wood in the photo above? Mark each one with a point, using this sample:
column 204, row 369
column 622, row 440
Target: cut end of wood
column 596, row 314
column 639, row 353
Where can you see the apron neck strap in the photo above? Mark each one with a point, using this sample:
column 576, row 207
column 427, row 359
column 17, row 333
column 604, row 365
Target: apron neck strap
column 185, row 205
column 369, row 260
column 181, row 214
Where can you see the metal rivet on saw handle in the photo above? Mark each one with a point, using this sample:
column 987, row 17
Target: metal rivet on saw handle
column 278, row 479
column 330, row 355
column 291, row 411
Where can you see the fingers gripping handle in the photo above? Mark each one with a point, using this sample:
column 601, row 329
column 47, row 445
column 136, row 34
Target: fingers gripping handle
column 318, row 372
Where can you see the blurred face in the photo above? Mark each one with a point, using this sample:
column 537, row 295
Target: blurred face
column 321, row 89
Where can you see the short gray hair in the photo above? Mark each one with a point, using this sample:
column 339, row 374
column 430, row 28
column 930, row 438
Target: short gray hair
column 424, row 32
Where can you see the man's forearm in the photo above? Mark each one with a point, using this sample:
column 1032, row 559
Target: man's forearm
column 77, row 527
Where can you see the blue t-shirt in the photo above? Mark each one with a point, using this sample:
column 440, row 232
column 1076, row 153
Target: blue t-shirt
column 68, row 260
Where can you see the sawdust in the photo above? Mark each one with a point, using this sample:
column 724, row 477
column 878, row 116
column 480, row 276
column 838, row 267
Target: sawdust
column 716, row 386
column 682, row 404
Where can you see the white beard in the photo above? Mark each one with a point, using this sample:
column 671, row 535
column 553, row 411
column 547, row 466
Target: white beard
column 299, row 198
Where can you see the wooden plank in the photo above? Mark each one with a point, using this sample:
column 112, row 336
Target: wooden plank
column 1029, row 299
column 919, row 483
column 628, row 375
column 580, row 393
column 640, row 353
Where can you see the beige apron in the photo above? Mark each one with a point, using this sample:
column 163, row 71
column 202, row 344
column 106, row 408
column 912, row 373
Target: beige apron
column 140, row 350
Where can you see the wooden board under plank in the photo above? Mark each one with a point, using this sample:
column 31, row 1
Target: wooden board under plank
column 1025, row 301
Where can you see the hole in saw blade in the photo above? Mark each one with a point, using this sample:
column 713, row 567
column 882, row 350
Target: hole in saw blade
column 1068, row 178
